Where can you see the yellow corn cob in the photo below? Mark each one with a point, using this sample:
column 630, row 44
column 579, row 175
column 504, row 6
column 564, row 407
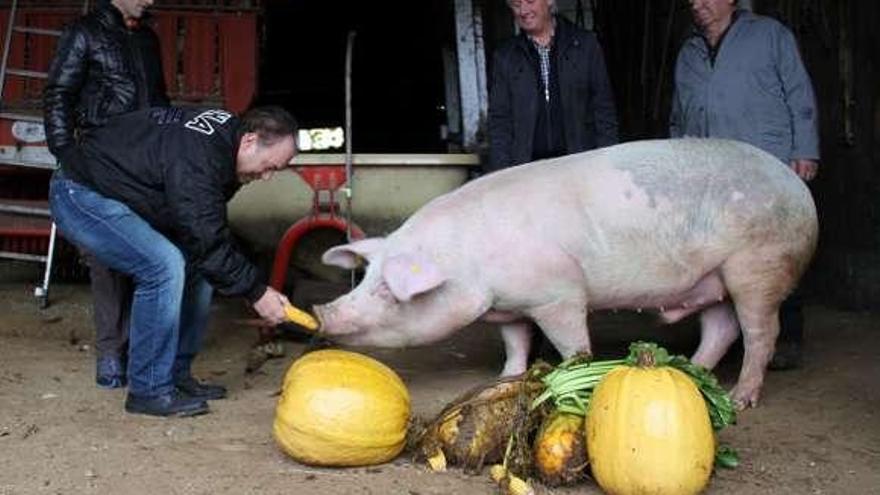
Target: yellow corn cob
column 437, row 462
column 518, row 486
column 300, row 317
column 497, row 472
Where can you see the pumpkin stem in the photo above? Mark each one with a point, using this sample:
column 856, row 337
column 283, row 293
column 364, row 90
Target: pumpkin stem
column 645, row 358
column 647, row 355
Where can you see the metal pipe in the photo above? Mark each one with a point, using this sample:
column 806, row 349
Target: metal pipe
column 28, row 73
column 33, row 30
column 291, row 238
column 9, row 30
column 25, row 210
column 21, row 256
column 42, row 292
column 349, row 179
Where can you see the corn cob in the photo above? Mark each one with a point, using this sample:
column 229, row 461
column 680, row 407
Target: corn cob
column 300, row 317
column 510, row 483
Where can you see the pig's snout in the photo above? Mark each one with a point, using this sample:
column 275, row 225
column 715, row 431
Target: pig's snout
column 319, row 310
column 331, row 320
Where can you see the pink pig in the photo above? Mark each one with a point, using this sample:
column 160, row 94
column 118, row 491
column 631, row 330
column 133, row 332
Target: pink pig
column 680, row 226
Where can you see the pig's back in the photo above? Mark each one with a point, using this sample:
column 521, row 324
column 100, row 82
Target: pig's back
column 642, row 209
column 691, row 184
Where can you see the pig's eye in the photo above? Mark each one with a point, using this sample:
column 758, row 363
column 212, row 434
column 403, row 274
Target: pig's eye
column 383, row 292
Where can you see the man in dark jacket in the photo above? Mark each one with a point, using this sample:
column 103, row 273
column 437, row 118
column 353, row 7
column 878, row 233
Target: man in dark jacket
column 147, row 194
column 549, row 94
column 106, row 63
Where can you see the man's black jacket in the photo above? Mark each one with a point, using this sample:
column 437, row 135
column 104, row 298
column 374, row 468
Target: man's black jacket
column 589, row 117
column 175, row 168
column 101, row 68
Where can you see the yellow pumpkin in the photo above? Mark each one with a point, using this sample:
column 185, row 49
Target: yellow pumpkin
column 648, row 432
column 340, row 408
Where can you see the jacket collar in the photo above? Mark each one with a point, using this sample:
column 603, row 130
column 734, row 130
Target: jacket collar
column 740, row 16
column 564, row 32
column 562, row 37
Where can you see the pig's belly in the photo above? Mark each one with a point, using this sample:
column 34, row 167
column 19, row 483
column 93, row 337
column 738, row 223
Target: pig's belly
column 686, row 296
column 673, row 301
column 497, row 316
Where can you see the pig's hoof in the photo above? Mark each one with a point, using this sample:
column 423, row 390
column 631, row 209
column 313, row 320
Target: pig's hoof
column 744, row 399
column 511, row 374
column 513, row 369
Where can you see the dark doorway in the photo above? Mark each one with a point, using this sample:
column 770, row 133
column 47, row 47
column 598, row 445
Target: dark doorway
column 397, row 70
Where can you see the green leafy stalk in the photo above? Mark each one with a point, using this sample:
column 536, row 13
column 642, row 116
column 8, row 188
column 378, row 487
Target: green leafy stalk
column 726, row 457
column 722, row 411
column 571, row 383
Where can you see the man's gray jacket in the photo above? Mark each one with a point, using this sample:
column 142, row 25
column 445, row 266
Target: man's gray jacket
column 757, row 91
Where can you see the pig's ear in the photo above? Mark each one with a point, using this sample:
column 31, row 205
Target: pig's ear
column 350, row 256
column 408, row 275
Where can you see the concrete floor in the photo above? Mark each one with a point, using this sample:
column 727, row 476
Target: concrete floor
column 816, row 432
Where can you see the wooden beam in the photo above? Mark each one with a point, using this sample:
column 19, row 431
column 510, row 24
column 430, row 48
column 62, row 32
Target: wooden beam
column 471, row 72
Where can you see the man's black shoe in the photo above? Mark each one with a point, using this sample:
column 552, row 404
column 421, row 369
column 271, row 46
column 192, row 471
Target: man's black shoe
column 190, row 387
column 170, row 404
column 788, row 356
column 110, row 372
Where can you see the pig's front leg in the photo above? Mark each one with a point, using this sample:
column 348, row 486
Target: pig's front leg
column 517, row 338
column 565, row 325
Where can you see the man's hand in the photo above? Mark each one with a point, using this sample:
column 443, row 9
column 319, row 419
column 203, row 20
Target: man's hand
column 805, row 168
column 270, row 307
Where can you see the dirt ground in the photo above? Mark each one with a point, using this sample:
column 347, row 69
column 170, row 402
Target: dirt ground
column 816, row 432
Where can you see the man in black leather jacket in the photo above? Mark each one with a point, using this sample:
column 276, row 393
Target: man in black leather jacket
column 106, row 63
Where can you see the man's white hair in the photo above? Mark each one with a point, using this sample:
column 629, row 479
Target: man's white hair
column 554, row 9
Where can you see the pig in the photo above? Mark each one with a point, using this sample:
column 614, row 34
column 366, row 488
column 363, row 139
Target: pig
column 677, row 226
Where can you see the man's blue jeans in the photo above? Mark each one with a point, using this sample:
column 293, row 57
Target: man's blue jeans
column 170, row 308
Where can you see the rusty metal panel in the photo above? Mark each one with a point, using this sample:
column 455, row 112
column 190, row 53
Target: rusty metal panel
column 31, row 51
column 238, row 65
column 209, row 5
column 13, row 90
column 199, row 57
column 39, row 49
column 167, row 26
column 208, row 55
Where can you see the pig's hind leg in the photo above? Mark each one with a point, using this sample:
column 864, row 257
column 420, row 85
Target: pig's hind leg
column 517, row 338
column 757, row 281
column 718, row 330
